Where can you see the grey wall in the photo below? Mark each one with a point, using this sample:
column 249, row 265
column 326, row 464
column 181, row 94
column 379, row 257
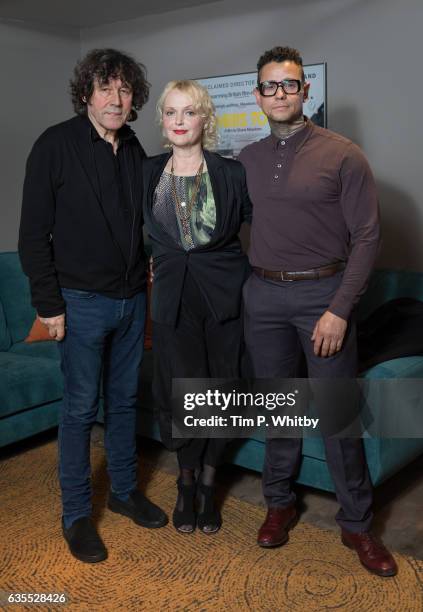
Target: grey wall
column 37, row 63
column 374, row 86
column 374, row 83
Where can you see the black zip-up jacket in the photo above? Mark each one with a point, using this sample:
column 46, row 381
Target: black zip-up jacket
column 220, row 268
column 65, row 237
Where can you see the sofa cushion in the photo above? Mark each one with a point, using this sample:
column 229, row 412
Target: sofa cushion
column 26, row 382
column 47, row 349
column 15, row 297
column 5, row 340
column 402, row 367
column 24, row 424
column 38, row 332
column 314, row 447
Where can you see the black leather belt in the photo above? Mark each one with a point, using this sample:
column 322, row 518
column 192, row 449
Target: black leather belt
column 313, row 274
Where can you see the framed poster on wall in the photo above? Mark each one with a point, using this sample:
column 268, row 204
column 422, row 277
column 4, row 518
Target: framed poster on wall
column 240, row 119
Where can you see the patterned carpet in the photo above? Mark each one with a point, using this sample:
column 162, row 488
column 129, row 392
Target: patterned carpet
column 159, row 570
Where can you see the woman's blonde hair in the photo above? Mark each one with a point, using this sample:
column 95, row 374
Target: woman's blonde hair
column 202, row 103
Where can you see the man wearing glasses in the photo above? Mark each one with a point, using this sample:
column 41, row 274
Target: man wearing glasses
column 314, row 239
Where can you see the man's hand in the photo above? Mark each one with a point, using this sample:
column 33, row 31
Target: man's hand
column 55, row 325
column 328, row 334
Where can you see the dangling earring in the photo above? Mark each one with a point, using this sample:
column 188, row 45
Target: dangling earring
column 84, row 99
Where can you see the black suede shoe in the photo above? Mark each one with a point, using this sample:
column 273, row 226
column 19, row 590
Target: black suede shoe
column 140, row 509
column 84, row 542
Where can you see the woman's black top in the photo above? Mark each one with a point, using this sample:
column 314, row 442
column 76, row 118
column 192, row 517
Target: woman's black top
column 218, row 267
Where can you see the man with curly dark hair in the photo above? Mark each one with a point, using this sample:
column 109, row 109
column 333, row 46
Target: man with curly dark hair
column 81, row 245
column 101, row 65
column 314, row 239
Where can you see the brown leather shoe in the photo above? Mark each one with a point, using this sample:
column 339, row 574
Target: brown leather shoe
column 274, row 531
column 371, row 552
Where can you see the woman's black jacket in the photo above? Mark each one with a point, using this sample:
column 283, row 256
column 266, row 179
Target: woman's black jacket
column 219, row 267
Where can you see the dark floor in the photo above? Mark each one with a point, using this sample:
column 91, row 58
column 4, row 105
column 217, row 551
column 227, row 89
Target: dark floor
column 398, row 502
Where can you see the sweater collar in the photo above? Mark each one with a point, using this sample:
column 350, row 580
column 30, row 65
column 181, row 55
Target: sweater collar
column 297, row 139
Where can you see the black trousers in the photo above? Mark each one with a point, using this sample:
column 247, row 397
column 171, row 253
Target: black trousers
column 279, row 319
column 198, row 347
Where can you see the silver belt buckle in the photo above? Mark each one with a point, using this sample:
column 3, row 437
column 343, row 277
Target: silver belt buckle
column 286, row 280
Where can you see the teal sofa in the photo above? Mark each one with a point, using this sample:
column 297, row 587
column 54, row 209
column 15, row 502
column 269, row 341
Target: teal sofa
column 31, row 388
column 31, row 381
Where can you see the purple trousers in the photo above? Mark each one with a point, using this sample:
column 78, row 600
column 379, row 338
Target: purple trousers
column 279, row 319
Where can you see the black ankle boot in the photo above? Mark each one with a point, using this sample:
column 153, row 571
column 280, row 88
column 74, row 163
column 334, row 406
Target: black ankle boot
column 186, row 516
column 209, row 520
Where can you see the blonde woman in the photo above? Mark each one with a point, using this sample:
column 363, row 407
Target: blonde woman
column 194, row 204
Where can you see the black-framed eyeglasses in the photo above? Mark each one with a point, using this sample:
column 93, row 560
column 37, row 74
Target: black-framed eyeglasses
column 289, row 86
